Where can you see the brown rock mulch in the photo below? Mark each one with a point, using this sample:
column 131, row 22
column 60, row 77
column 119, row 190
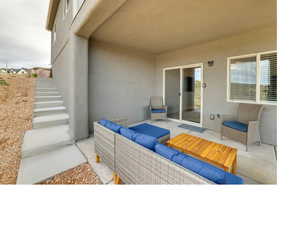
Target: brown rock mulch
column 82, row 174
column 16, row 106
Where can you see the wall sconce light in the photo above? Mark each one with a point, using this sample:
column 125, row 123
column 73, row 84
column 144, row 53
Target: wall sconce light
column 210, row 63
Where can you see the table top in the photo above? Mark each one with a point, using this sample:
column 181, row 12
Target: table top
column 217, row 154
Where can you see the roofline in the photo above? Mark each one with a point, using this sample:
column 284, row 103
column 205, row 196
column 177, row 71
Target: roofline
column 52, row 10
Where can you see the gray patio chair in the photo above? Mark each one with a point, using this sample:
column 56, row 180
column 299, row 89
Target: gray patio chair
column 157, row 108
column 244, row 127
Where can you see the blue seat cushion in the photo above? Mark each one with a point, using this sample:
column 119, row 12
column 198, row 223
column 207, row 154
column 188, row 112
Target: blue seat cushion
column 146, row 141
column 111, row 125
column 103, row 122
column 150, row 130
column 236, row 125
column 130, row 134
column 166, row 151
column 158, row 110
column 206, row 170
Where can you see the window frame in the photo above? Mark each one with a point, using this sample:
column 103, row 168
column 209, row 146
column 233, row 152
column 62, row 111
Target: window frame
column 54, row 34
column 258, row 78
column 66, row 9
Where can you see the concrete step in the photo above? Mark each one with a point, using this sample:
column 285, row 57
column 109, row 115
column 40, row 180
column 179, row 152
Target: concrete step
column 49, row 111
column 50, row 120
column 44, row 166
column 38, row 141
column 45, row 89
column 48, row 98
column 47, row 93
column 40, row 105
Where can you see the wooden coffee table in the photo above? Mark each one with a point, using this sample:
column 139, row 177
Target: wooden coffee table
column 219, row 155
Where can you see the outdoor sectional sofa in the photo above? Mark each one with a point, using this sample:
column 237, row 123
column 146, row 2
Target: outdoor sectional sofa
column 141, row 159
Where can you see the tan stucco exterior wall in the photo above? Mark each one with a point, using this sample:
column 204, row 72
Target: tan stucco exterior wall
column 121, row 82
column 259, row 40
column 70, row 70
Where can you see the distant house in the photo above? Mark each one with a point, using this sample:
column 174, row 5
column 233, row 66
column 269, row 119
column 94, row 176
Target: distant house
column 22, row 71
column 41, row 72
column 11, row 71
column 2, row 70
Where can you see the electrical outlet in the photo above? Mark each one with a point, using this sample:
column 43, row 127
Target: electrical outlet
column 212, row 116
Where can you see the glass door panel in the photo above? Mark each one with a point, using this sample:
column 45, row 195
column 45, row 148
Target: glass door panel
column 172, row 93
column 191, row 94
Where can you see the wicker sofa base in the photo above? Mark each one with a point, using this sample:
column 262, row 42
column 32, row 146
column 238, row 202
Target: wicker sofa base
column 135, row 164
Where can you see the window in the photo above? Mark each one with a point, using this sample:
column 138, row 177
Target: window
column 66, row 8
column 268, row 77
column 253, row 78
column 54, row 33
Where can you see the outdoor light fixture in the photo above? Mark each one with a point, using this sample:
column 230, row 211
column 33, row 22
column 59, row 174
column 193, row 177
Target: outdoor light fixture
column 210, row 63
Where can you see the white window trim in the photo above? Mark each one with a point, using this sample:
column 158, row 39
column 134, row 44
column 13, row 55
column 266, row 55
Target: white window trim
column 54, row 34
column 258, row 76
column 66, row 9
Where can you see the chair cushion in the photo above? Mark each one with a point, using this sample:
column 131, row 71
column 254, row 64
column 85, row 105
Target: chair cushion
column 206, row 170
column 158, row 110
column 103, row 122
column 166, row 151
column 130, row 134
column 111, row 125
column 150, row 130
column 236, row 125
column 146, row 141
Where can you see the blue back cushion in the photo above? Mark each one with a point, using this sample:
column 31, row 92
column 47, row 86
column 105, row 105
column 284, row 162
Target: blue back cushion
column 206, row 170
column 130, row 134
column 146, row 141
column 103, row 122
column 166, row 151
column 111, row 125
column 179, row 158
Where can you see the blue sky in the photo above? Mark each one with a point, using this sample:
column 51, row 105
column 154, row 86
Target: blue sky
column 24, row 41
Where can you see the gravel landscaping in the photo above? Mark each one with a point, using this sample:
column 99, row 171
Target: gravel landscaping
column 82, row 174
column 16, row 102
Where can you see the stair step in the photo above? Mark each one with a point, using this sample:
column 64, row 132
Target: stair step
column 46, row 89
column 38, row 141
column 49, row 111
column 48, row 98
column 39, row 105
column 47, row 93
column 44, row 166
column 50, row 120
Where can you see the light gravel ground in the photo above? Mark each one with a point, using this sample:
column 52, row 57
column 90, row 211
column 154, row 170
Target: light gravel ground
column 16, row 102
column 83, row 174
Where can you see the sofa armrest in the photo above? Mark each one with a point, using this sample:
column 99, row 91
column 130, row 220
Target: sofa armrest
column 253, row 132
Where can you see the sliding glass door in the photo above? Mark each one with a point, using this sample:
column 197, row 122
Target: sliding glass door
column 172, row 93
column 183, row 93
column 191, row 94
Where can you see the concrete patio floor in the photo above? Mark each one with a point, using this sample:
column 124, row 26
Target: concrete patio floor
column 257, row 166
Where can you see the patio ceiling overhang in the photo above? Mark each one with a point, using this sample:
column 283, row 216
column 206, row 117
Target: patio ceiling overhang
column 53, row 6
column 158, row 26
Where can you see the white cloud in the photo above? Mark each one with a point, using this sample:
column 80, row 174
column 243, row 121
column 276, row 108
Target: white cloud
column 24, row 41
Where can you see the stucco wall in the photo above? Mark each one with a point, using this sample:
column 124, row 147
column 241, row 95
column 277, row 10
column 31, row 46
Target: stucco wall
column 62, row 24
column 120, row 82
column 69, row 64
column 215, row 94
